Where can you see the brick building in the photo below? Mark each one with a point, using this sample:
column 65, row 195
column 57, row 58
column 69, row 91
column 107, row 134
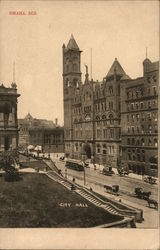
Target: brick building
column 91, row 110
column 50, row 139
column 8, row 117
column 104, row 116
column 31, row 123
column 139, row 121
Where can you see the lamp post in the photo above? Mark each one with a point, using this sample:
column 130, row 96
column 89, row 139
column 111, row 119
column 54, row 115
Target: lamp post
column 84, row 175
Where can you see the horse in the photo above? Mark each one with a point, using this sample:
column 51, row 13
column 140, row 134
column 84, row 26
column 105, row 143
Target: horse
column 146, row 195
column 152, row 202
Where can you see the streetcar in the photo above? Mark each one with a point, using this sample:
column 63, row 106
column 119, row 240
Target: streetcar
column 74, row 164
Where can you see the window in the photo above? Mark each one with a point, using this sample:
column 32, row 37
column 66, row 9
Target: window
column 150, row 129
column 129, row 157
column 137, row 117
column 127, row 118
column 132, row 105
column 112, row 133
column 110, row 105
column 142, row 128
column 132, row 130
column 142, row 105
column 143, row 117
column 155, row 142
column 155, row 128
column 137, row 143
column 111, row 119
column 132, row 118
column 142, row 142
column 110, row 89
column 149, row 105
column 98, row 149
column 148, row 79
column 154, row 90
column 128, row 141
column 136, row 105
column 104, row 149
column 133, row 141
column 149, row 91
column 149, row 142
column 149, row 116
column 137, row 130
column 128, row 130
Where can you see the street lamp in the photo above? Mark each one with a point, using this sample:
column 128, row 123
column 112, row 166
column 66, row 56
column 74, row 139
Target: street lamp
column 65, row 171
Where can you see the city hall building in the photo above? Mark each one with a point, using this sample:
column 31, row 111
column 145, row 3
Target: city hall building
column 95, row 113
column 8, row 117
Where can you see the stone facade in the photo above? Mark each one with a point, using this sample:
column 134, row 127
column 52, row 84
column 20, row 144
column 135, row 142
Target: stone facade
column 139, row 121
column 91, row 110
column 101, row 115
column 8, row 117
column 31, row 123
column 50, row 139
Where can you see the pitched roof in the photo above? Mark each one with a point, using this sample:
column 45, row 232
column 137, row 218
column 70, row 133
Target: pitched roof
column 28, row 117
column 72, row 44
column 116, row 68
column 125, row 77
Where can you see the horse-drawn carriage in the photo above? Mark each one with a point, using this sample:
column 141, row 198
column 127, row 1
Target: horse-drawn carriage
column 112, row 189
column 141, row 194
column 123, row 172
column 150, row 179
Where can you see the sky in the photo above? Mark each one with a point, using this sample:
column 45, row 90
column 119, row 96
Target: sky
column 121, row 29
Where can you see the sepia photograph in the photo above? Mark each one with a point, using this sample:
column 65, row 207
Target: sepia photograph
column 79, row 84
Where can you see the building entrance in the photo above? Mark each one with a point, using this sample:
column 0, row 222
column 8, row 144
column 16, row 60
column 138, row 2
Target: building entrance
column 6, row 143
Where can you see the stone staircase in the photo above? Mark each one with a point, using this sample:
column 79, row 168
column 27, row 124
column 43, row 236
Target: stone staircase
column 51, row 165
column 84, row 193
column 98, row 202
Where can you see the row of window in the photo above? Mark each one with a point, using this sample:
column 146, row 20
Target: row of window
column 133, row 94
column 143, row 117
column 72, row 67
column 142, row 142
column 150, row 129
column 141, row 105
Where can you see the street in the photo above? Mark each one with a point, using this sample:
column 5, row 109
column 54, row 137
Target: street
column 127, row 186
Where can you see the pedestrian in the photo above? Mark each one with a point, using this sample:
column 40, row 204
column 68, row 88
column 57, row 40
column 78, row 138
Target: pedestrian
column 74, row 179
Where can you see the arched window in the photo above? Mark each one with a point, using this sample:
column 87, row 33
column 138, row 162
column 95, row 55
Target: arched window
column 67, row 82
column 155, row 142
column 149, row 142
column 103, row 117
column 142, row 142
column 133, row 141
column 104, row 149
column 98, row 148
column 111, row 119
column 75, row 82
column 137, row 142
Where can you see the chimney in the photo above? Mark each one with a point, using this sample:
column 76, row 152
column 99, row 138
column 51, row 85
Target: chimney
column 56, row 122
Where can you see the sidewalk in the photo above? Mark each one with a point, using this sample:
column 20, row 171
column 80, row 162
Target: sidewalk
column 150, row 215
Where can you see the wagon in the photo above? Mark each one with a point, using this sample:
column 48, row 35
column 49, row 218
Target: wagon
column 150, row 179
column 112, row 189
column 142, row 194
